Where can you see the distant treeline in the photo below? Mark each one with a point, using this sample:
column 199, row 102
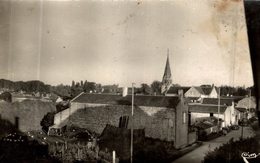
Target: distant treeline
column 237, row 91
column 77, row 87
column 28, row 86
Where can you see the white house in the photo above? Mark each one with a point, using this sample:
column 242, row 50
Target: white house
column 235, row 115
column 194, row 92
column 202, row 92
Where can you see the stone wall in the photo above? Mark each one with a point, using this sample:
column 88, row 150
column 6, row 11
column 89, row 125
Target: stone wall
column 63, row 115
column 29, row 113
column 158, row 123
column 181, row 125
column 192, row 137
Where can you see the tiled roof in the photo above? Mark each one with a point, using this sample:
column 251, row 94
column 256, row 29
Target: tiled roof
column 200, row 90
column 205, row 124
column 214, row 101
column 241, row 109
column 174, row 90
column 206, row 90
column 139, row 100
column 200, row 108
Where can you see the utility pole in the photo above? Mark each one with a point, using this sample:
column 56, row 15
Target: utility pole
column 218, row 106
column 132, row 130
column 249, row 101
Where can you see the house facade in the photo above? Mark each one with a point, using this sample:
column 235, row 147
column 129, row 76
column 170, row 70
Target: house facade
column 26, row 115
column 213, row 93
column 233, row 116
column 162, row 117
column 194, row 92
column 202, row 92
column 227, row 114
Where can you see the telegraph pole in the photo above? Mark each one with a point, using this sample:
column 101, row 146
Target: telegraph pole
column 132, row 130
column 218, row 106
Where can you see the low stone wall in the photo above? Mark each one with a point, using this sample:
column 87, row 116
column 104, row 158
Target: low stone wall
column 192, row 137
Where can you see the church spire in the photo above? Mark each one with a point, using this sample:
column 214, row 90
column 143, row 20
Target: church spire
column 167, row 76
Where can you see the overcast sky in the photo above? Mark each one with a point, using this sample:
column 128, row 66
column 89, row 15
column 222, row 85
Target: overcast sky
column 124, row 42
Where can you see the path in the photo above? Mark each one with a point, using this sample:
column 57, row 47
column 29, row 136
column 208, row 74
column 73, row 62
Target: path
column 197, row 155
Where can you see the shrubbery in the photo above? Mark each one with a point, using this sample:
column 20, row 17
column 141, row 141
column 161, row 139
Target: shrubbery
column 47, row 121
column 231, row 151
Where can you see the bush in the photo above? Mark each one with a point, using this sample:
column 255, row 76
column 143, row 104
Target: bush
column 231, row 151
column 47, row 121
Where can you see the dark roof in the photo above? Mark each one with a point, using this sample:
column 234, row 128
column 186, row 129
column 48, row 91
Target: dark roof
column 205, row 124
column 139, row 100
column 174, row 90
column 214, row 101
column 235, row 98
column 200, row 90
column 200, row 108
column 241, row 109
column 206, row 90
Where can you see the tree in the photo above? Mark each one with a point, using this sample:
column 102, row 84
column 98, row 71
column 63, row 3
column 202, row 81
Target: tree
column 47, row 121
column 98, row 88
column 61, row 90
column 251, row 90
column 176, row 85
column 146, row 89
column 81, row 83
column 156, row 87
column 73, row 83
column 6, row 96
column 89, row 87
column 75, row 91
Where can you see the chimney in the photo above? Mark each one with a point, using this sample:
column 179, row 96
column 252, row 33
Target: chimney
column 180, row 93
column 125, row 91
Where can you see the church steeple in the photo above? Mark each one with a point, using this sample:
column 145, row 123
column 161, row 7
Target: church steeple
column 167, row 76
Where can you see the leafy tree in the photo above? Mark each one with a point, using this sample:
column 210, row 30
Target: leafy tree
column 156, row 87
column 6, row 96
column 81, row 83
column 176, row 85
column 251, row 90
column 47, row 121
column 231, row 151
column 89, row 86
column 145, row 89
column 98, row 88
column 61, row 90
column 76, row 90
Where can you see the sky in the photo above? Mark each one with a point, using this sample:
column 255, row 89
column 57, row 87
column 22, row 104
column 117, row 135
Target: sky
column 124, row 42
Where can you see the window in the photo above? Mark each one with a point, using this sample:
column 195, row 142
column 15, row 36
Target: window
column 211, row 114
column 184, row 117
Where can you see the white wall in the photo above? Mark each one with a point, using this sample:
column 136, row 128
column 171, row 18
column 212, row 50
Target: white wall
column 213, row 93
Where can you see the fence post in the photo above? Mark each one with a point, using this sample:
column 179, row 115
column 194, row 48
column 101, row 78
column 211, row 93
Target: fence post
column 114, row 156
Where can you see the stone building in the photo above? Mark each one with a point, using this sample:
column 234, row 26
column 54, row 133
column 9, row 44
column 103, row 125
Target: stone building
column 161, row 117
column 26, row 115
